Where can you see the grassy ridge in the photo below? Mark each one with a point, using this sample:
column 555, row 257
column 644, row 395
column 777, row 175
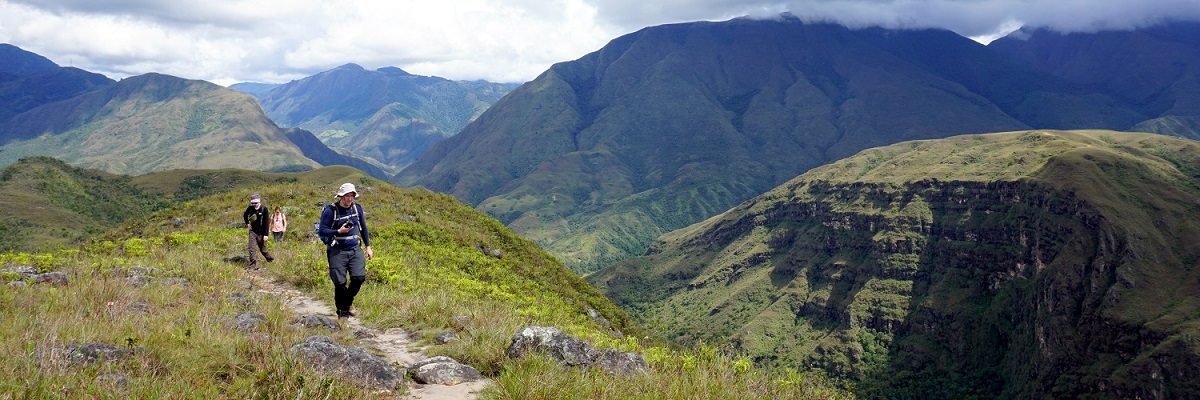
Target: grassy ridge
column 54, row 204
column 428, row 269
column 1022, row 264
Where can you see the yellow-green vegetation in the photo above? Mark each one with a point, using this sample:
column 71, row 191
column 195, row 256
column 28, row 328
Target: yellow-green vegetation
column 52, row 204
column 434, row 262
column 1014, row 265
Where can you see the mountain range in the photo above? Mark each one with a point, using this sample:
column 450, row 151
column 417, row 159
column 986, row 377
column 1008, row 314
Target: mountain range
column 386, row 115
column 1031, row 264
column 673, row 124
column 692, row 172
column 150, row 122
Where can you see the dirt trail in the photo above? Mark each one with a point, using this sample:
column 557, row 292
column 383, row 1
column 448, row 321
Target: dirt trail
column 395, row 344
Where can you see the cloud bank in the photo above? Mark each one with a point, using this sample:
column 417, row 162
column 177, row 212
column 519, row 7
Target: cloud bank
column 229, row 41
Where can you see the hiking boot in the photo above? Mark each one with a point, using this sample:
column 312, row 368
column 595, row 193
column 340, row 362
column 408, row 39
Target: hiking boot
column 350, row 311
column 344, row 314
column 270, row 259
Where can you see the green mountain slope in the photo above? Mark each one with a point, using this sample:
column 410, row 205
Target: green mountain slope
column 151, row 123
column 51, row 204
column 1028, row 264
column 54, row 205
column 1155, row 69
column 28, row 80
column 435, row 270
column 672, row 124
column 387, row 115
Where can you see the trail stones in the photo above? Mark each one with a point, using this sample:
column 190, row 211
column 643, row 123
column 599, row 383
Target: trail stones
column 445, row 337
column 573, row 352
column 488, row 250
column 141, row 276
column 314, row 321
column 597, row 318
column 52, row 279
column 144, row 271
column 242, row 300
column 248, row 321
column 442, row 370
column 24, row 270
column 351, row 363
column 81, row 354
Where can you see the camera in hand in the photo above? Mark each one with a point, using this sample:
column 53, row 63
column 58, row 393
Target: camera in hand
column 349, row 224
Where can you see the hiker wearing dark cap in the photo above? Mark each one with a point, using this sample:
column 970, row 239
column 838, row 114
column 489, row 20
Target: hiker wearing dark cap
column 345, row 223
column 257, row 222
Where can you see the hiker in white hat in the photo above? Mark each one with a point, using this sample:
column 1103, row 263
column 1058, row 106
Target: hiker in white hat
column 345, row 223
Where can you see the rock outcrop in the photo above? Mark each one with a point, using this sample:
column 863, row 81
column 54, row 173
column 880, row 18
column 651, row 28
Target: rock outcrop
column 573, row 352
column 1022, row 265
column 352, row 363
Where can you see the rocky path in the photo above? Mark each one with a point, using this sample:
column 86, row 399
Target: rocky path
column 394, row 345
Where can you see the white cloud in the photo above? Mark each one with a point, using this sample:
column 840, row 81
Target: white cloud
column 228, row 41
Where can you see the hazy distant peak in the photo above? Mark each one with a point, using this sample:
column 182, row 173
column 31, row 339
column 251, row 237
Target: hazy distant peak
column 15, row 60
column 393, row 71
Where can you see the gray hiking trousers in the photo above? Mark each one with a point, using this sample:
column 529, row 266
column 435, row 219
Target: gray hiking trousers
column 348, row 271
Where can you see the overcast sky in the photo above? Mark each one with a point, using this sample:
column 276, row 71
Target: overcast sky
column 275, row 41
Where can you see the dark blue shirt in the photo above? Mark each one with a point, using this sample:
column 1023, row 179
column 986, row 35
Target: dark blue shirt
column 329, row 225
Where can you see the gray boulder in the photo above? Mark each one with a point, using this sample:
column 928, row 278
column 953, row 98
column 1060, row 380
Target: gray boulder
column 442, row 370
column 138, row 270
column 25, row 270
column 315, row 321
column 351, row 363
column 87, row 353
column 619, row 362
column 574, row 352
column 445, row 337
column 248, row 321
column 242, row 300
column 52, row 279
column 139, row 280
column 554, row 342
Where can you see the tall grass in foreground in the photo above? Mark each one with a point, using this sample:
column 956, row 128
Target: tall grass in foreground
column 180, row 336
column 429, row 276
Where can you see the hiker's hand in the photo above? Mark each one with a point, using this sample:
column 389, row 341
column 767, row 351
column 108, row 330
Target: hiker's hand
column 343, row 230
column 368, row 252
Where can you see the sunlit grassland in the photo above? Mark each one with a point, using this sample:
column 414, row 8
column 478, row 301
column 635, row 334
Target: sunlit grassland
column 429, row 268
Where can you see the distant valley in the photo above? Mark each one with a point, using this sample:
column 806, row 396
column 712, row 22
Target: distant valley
column 673, row 124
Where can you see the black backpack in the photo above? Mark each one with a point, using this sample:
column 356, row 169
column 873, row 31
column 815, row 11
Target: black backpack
column 328, row 240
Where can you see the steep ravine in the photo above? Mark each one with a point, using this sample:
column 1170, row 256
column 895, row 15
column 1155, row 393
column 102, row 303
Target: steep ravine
column 1026, row 288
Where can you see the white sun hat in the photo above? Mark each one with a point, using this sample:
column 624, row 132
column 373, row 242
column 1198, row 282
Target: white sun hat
column 346, row 188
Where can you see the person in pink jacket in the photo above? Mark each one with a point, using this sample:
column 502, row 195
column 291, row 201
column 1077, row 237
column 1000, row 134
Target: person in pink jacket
column 278, row 225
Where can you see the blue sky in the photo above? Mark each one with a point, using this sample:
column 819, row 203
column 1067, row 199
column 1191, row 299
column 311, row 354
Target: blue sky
column 274, row 41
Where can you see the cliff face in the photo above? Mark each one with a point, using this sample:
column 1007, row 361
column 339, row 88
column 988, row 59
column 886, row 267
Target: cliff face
column 1074, row 275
